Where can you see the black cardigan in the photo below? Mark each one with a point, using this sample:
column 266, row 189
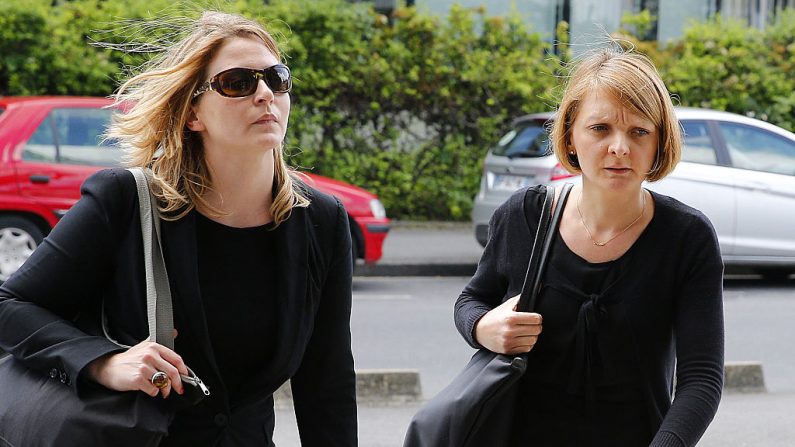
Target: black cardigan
column 673, row 301
column 50, row 305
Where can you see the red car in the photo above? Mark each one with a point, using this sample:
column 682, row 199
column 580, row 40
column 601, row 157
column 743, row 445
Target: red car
column 50, row 145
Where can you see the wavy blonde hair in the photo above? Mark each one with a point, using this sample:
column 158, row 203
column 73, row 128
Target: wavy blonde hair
column 157, row 102
column 633, row 80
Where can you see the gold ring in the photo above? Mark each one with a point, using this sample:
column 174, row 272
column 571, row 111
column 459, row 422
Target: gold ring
column 160, row 379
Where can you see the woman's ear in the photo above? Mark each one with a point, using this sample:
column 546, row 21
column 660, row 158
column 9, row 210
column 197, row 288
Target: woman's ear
column 194, row 122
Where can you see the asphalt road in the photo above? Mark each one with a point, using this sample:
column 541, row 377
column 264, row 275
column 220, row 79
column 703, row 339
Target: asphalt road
column 407, row 323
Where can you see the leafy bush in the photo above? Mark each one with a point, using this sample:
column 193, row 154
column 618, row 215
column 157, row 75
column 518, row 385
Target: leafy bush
column 720, row 64
column 24, row 51
column 407, row 110
column 404, row 106
column 779, row 41
column 46, row 49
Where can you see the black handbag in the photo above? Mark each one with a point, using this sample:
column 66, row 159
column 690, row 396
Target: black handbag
column 38, row 410
column 476, row 408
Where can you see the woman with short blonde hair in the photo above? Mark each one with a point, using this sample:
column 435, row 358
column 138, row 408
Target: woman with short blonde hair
column 631, row 297
column 632, row 80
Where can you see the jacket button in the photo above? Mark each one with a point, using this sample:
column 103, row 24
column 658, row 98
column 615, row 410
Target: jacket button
column 54, row 373
column 221, row 420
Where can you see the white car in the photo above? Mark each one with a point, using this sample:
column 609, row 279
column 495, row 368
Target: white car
column 739, row 171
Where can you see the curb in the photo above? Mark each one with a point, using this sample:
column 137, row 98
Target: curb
column 381, row 386
column 399, row 386
column 744, row 377
column 440, row 269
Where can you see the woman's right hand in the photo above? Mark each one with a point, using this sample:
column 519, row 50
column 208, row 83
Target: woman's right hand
column 133, row 369
column 505, row 331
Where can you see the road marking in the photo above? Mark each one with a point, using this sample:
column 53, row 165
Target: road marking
column 380, row 297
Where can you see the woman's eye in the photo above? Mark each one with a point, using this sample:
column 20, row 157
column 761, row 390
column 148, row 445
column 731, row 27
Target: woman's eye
column 641, row 132
column 599, row 127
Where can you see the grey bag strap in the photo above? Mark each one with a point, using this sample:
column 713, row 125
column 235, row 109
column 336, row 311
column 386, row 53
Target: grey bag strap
column 160, row 314
column 158, row 293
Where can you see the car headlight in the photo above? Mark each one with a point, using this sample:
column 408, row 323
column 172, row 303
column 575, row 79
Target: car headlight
column 377, row 209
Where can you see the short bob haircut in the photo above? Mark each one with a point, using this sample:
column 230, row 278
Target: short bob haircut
column 153, row 130
column 632, row 79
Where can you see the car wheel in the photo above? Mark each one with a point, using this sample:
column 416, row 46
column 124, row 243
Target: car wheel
column 18, row 238
column 775, row 274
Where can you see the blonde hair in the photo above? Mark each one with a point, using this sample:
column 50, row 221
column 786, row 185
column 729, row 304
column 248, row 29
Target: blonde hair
column 633, row 80
column 157, row 102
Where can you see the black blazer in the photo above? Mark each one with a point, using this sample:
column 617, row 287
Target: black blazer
column 51, row 304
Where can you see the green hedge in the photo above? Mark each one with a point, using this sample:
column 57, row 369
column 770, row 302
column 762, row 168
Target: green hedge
column 408, row 110
column 725, row 65
column 407, row 106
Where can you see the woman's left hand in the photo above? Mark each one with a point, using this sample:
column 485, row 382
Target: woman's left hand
column 133, row 369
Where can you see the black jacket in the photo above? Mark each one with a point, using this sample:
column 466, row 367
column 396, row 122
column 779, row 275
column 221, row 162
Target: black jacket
column 51, row 304
column 671, row 294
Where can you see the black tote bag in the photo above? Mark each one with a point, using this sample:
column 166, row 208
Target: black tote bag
column 37, row 410
column 476, row 408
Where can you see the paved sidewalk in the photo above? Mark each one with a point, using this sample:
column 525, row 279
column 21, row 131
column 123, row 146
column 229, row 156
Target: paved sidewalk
column 437, row 249
column 426, row 249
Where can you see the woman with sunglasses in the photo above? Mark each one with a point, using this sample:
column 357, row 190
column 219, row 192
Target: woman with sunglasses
column 259, row 263
column 631, row 297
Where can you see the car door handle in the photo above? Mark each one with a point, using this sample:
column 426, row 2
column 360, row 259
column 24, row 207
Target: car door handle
column 755, row 186
column 39, row 178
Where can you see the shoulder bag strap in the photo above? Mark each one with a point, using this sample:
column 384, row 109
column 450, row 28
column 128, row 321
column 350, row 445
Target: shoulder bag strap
column 160, row 314
column 158, row 293
column 541, row 247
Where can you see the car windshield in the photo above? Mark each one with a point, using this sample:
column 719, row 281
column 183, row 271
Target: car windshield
column 528, row 139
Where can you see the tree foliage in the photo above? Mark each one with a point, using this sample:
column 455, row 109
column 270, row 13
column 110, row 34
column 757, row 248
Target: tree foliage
column 405, row 106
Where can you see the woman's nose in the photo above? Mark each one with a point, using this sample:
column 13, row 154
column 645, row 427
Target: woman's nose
column 263, row 92
column 619, row 146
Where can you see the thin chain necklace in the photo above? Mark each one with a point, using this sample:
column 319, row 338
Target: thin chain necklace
column 602, row 244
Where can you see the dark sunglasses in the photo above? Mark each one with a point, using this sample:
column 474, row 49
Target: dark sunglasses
column 240, row 82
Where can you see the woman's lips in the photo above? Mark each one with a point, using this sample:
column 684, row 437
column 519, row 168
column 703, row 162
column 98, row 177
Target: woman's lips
column 266, row 119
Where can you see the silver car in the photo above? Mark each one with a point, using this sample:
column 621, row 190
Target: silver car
column 739, row 171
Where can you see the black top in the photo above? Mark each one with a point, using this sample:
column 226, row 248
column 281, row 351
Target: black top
column 584, row 365
column 236, row 283
column 669, row 294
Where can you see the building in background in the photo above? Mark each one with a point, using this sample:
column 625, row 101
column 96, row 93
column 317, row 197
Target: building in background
column 589, row 19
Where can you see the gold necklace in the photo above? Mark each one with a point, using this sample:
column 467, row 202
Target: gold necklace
column 602, row 244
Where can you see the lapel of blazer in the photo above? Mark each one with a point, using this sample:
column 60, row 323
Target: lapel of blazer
column 180, row 253
column 291, row 264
